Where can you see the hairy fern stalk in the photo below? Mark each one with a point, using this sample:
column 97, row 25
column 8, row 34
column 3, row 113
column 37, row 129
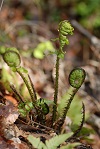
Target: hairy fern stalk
column 65, row 28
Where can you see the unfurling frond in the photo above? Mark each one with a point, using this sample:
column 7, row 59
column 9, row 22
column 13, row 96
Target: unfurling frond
column 76, row 78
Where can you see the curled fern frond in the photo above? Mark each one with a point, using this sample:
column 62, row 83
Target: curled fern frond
column 76, row 77
column 12, row 58
column 65, row 28
column 44, row 107
column 80, row 126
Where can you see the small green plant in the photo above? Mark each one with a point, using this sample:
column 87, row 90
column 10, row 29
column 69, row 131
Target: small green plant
column 53, row 143
column 41, row 48
column 12, row 57
column 64, row 29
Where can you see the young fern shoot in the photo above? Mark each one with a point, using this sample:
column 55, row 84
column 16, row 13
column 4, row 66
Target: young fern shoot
column 65, row 28
column 12, row 58
column 76, row 79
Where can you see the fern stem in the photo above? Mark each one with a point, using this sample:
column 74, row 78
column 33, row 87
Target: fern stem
column 56, row 90
column 28, row 85
column 35, row 96
column 62, row 119
column 16, row 93
column 69, row 103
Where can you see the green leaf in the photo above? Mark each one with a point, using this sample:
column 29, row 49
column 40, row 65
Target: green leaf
column 36, row 142
column 74, row 113
column 61, row 55
column 2, row 49
column 84, row 131
column 41, row 48
column 54, row 142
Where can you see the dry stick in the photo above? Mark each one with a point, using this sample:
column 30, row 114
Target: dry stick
column 56, row 90
column 1, row 4
column 94, row 40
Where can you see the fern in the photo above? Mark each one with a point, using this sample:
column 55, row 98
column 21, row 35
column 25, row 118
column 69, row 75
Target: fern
column 36, row 142
column 65, row 28
column 76, row 78
column 56, row 141
column 53, row 143
column 80, row 126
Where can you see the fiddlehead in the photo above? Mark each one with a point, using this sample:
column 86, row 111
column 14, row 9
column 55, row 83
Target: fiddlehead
column 64, row 29
column 76, row 78
column 43, row 105
column 12, row 58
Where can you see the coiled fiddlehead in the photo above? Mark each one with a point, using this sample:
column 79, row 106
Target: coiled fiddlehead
column 44, row 108
column 65, row 28
column 76, row 78
column 12, row 58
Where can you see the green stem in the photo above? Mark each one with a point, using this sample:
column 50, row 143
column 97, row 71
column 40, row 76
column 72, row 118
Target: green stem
column 61, row 120
column 68, row 105
column 28, row 85
column 35, row 96
column 56, row 90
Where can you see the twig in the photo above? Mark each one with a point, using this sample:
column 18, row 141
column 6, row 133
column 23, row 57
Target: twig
column 94, row 40
column 1, row 4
